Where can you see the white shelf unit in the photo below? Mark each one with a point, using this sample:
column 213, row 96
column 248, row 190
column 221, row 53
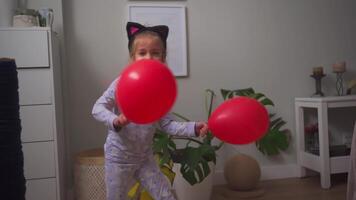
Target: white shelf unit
column 322, row 163
column 35, row 51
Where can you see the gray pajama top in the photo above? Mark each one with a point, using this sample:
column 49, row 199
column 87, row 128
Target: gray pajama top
column 133, row 142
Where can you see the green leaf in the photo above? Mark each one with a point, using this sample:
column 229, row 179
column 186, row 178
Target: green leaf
column 194, row 165
column 163, row 146
column 267, row 102
column 271, row 115
column 164, row 158
column 257, row 96
column 226, row 94
column 273, row 142
column 277, row 123
column 282, row 140
column 244, row 92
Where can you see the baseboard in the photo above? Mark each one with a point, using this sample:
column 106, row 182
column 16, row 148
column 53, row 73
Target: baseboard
column 279, row 171
column 267, row 173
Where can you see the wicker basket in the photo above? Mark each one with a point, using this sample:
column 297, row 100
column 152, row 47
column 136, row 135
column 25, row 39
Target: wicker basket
column 89, row 175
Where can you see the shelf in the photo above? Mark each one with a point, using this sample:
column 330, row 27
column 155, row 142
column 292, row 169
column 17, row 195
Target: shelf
column 324, row 163
column 328, row 99
column 334, row 151
column 338, row 164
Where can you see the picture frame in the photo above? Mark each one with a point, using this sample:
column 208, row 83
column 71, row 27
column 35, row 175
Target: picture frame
column 174, row 16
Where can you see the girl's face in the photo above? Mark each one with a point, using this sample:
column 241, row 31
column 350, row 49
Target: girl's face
column 148, row 47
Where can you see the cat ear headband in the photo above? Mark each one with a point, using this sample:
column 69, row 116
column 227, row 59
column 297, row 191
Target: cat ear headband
column 133, row 29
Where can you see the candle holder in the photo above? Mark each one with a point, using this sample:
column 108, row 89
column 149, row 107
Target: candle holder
column 339, row 83
column 318, row 78
column 339, row 69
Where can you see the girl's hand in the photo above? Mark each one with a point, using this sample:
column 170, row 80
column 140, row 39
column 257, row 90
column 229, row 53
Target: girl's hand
column 120, row 121
column 201, row 129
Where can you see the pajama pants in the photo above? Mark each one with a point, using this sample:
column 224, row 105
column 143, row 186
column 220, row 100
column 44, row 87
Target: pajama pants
column 118, row 177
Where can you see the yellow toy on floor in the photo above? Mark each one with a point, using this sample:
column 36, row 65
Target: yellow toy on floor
column 139, row 193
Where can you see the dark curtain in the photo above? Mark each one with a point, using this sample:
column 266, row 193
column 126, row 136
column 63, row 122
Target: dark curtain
column 12, row 180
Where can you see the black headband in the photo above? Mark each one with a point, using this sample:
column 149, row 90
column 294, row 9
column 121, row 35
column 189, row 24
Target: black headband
column 133, row 29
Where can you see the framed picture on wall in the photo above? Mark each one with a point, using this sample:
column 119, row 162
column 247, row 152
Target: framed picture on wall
column 174, row 16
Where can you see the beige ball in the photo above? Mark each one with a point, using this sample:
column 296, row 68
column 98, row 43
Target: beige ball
column 242, row 172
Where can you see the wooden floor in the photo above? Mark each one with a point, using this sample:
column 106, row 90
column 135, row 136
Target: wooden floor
column 292, row 189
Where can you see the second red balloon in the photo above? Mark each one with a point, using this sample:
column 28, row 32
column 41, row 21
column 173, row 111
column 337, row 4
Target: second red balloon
column 240, row 120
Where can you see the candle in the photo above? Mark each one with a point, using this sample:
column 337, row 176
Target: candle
column 339, row 67
column 317, row 71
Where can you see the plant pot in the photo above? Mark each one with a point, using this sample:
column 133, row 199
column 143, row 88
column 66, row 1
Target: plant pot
column 185, row 191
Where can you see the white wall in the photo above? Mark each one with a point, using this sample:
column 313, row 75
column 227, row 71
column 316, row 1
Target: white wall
column 270, row 45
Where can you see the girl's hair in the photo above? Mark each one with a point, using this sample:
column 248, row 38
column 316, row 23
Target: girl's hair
column 135, row 29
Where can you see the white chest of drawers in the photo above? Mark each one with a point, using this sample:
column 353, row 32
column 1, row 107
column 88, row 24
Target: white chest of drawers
column 36, row 54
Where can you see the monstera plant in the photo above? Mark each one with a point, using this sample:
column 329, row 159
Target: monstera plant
column 194, row 157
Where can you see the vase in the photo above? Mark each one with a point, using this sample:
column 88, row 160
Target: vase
column 185, row 191
column 242, row 172
column 312, row 143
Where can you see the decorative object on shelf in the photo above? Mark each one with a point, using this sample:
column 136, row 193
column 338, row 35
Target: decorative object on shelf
column 46, row 17
column 312, row 138
column 350, row 86
column 318, row 74
column 317, row 71
column 339, row 69
column 26, row 18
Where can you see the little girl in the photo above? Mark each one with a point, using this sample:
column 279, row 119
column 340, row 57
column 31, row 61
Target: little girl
column 128, row 147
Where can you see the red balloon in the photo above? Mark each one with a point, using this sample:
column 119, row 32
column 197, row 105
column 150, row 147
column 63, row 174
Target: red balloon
column 146, row 91
column 240, row 120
